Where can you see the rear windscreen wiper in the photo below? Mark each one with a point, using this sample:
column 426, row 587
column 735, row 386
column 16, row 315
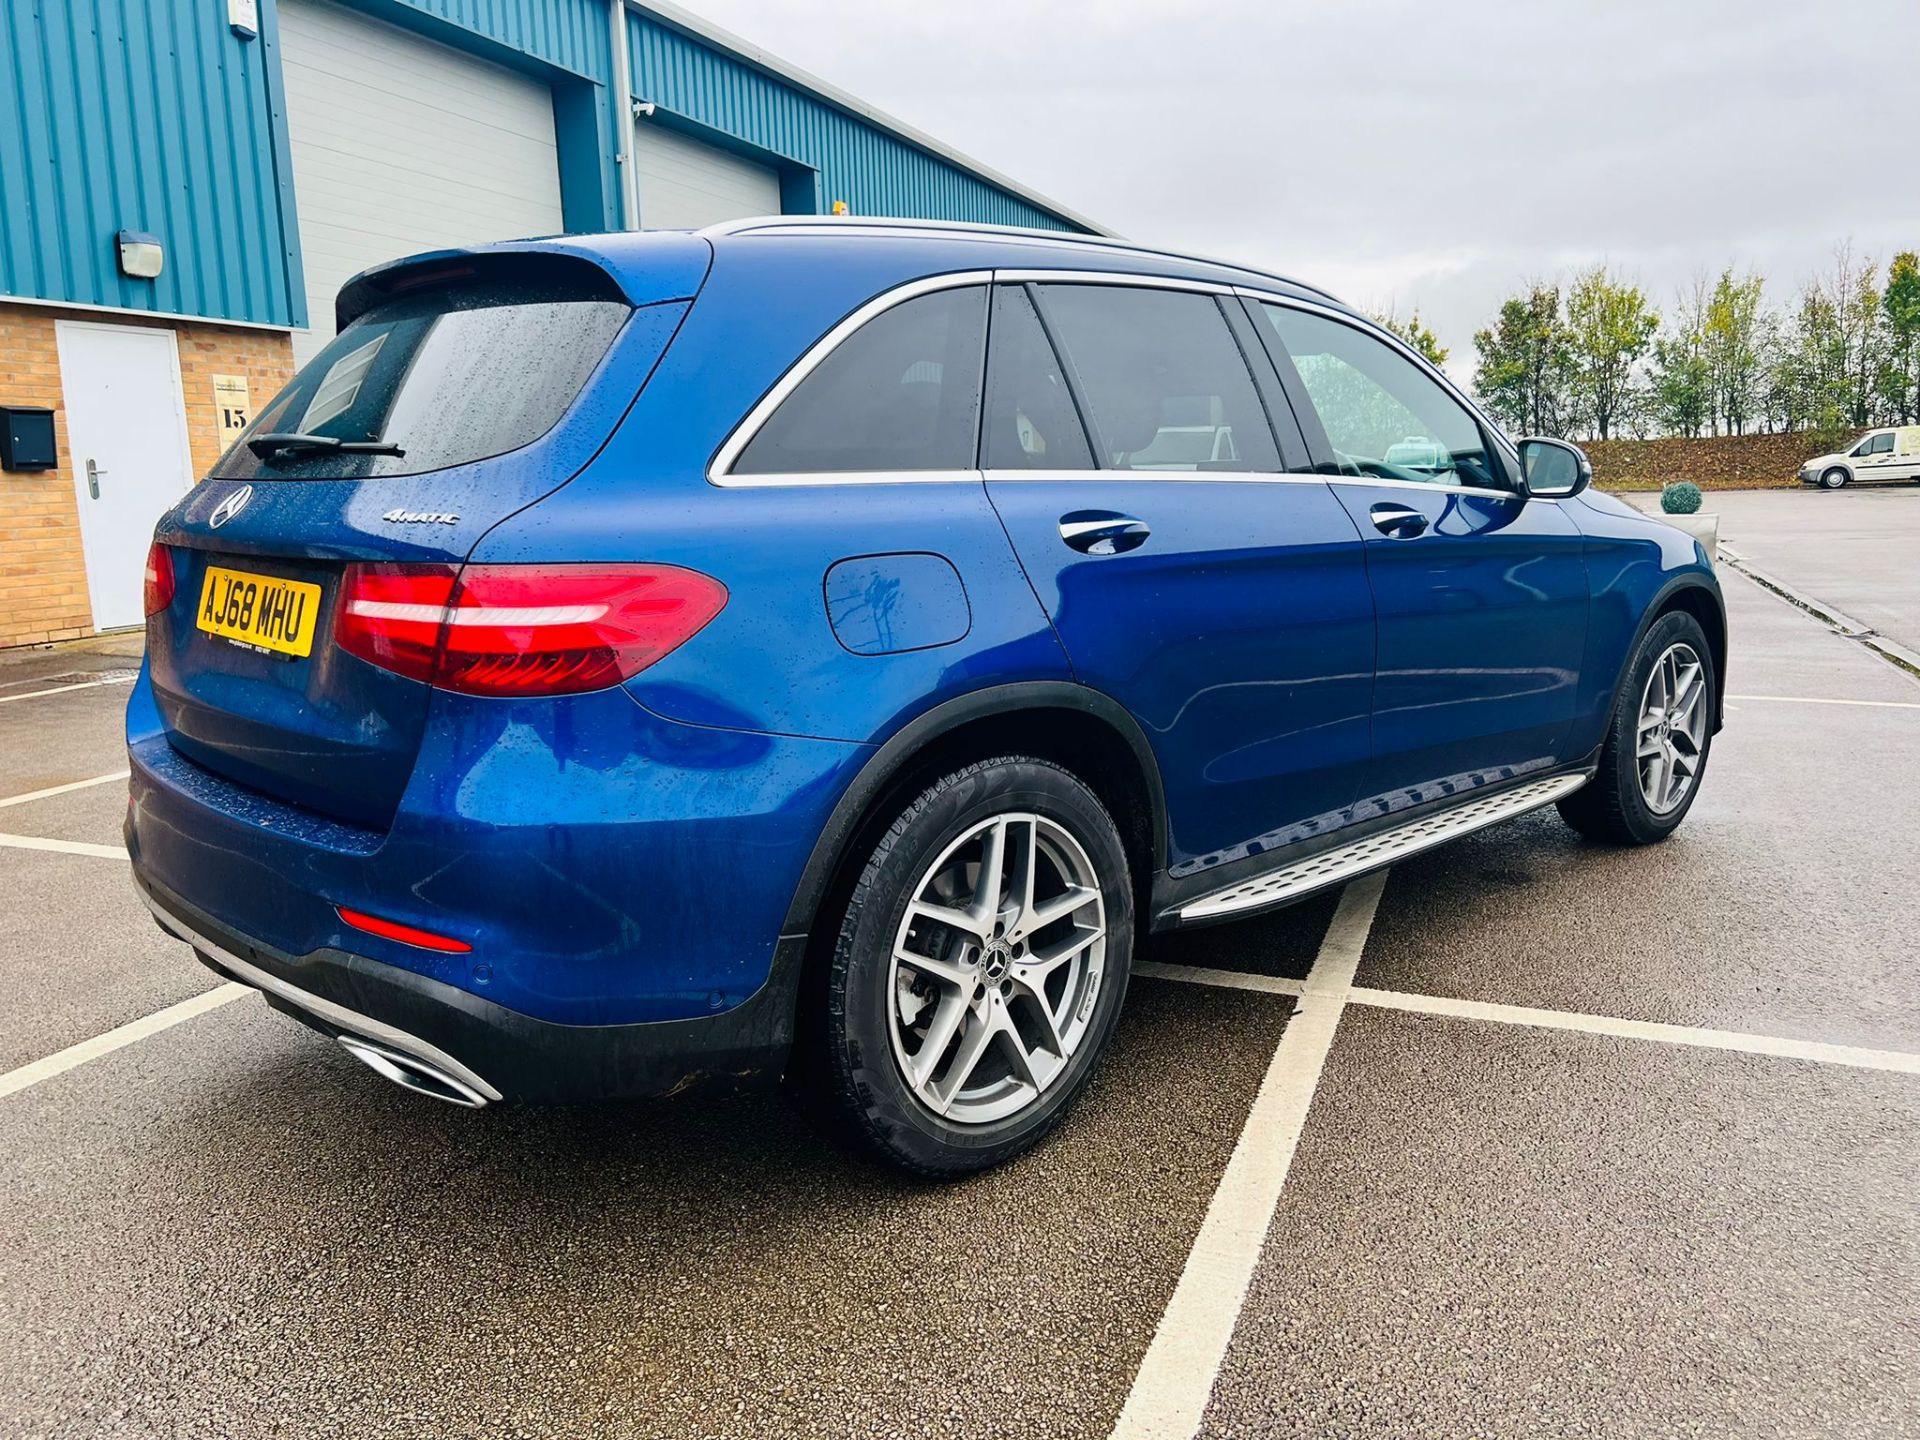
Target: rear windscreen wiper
column 268, row 446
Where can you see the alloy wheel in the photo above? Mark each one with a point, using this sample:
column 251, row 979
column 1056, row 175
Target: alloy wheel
column 996, row 967
column 1671, row 735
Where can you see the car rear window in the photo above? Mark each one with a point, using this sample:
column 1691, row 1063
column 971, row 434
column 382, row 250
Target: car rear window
column 447, row 376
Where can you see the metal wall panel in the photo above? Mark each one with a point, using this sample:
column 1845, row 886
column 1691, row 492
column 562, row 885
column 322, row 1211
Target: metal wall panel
column 140, row 115
column 875, row 171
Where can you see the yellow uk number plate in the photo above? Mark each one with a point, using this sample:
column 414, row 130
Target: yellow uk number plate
column 262, row 611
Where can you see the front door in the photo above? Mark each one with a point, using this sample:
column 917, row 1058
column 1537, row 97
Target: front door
column 127, row 448
column 1222, row 600
column 1481, row 592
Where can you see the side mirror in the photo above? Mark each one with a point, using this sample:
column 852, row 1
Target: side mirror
column 1553, row 468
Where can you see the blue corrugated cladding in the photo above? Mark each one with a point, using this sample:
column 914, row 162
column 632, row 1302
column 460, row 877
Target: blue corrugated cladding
column 873, row 170
column 151, row 115
column 139, row 115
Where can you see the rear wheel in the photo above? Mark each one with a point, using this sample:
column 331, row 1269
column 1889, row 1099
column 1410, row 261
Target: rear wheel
column 1657, row 743
column 979, row 968
column 1833, row 479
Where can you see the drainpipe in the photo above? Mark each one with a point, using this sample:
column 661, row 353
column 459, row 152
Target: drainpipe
column 623, row 117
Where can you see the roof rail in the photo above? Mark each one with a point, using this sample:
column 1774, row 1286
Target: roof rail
column 873, row 224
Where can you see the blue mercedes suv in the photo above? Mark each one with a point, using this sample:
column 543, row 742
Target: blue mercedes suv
column 821, row 650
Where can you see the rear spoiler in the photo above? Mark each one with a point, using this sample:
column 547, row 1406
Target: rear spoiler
column 639, row 268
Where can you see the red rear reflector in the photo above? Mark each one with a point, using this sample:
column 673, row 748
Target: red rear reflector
column 405, row 934
column 158, row 592
column 522, row 629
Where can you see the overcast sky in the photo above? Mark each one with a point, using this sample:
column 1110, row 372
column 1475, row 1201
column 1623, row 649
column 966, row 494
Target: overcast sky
column 1429, row 154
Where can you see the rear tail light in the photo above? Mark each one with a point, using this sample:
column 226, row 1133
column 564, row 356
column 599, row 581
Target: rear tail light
column 522, row 629
column 159, row 587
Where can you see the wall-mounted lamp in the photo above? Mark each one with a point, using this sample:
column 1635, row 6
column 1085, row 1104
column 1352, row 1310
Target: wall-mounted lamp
column 643, row 109
column 243, row 18
column 141, row 255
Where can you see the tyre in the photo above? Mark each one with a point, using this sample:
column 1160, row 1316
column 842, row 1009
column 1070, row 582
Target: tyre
column 979, row 968
column 1657, row 742
column 1833, row 479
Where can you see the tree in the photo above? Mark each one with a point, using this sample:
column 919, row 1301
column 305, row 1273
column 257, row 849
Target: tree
column 1731, row 333
column 1423, row 340
column 1856, row 306
column 1682, row 384
column 1900, row 303
column 1810, row 364
column 1526, row 364
column 1609, row 328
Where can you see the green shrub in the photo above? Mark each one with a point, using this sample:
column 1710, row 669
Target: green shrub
column 1680, row 498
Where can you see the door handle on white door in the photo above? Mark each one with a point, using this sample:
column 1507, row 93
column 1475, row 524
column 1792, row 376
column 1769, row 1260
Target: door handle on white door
column 94, row 472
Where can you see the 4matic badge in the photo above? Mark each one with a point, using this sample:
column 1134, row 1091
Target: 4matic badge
column 420, row 517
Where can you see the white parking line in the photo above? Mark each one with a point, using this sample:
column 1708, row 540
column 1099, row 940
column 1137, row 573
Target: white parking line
column 1859, row 1057
column 119, row 1038
column 66, row 789
column 62, row 847
column 63, row 689
column 1176, row 1376
column 1823, row 700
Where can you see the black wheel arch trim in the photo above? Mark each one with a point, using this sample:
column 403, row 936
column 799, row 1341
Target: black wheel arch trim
column 1659, row 606
column 895, row 753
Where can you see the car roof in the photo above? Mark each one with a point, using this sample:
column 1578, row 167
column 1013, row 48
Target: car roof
column 1010, row 247
column 657, row 265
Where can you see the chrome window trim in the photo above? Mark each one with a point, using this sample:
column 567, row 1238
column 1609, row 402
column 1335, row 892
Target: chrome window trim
column 1185, row 477
column 719, row 471
column 789, row 480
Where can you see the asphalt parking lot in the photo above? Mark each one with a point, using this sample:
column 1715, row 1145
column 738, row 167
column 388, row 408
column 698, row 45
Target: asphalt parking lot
column 1536, row 1138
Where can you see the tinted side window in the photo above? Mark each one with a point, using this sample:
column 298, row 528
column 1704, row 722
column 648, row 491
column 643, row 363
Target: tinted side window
column 1383, row 415
column 900, row 393
column 1882, row 445
column 1162, row 377
column 1031, row 421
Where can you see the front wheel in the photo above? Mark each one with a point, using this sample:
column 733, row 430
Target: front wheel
column 1833, row 479
column 1656, row 747
column 980, row 967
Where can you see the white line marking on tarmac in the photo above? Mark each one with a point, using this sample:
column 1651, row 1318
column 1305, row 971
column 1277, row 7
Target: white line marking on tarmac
column 1859, row 1057
column 1224, row 979
column 1822, row 700
column 63, row 689
column 62, row 847
column 1176, row 1377
column 118, row 1038
column 68, row 788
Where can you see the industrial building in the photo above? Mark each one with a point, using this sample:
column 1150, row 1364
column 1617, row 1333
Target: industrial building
column 184, row 185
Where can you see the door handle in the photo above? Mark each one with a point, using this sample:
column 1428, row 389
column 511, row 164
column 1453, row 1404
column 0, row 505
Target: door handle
column 1402, row 522
column 94, row 472
column 1102, row 532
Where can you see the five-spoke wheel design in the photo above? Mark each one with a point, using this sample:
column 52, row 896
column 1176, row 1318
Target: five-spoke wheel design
column 1672, row 731
column 996, row 968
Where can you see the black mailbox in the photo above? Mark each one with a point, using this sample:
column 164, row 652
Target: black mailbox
column 26, row 438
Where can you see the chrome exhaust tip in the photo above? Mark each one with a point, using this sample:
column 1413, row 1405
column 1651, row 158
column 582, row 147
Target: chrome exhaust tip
column 412, row 1073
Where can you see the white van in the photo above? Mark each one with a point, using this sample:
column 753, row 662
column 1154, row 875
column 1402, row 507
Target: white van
column 1890, row 454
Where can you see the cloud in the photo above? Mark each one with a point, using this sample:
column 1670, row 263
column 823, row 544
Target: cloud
column 1407, row 153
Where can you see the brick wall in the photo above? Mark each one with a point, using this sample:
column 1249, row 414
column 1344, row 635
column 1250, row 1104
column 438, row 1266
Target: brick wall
column 1722, row 462
column 43, row 578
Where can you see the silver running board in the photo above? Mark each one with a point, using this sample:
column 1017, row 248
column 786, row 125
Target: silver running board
column 1383, row 847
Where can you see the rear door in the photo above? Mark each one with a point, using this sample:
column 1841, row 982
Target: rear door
column 1481, row 592
column 1192, row 572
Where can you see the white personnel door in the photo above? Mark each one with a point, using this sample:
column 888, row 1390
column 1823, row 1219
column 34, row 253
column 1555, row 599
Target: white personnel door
column 402, row 145
column 686, row 183
column 127, row 448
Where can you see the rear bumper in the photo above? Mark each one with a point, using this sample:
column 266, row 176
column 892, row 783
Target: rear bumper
column 489, row 1052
